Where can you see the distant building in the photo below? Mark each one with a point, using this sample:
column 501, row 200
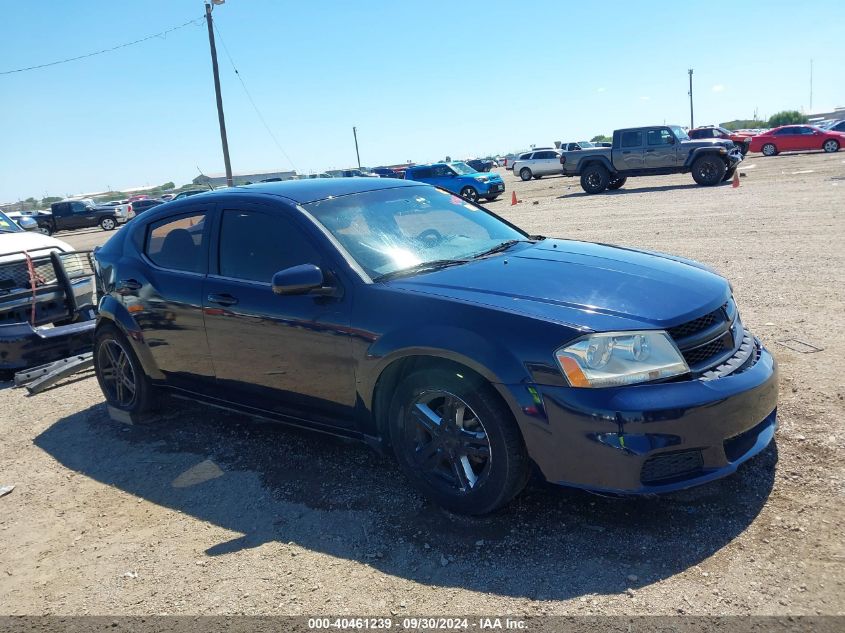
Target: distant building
column 215, row 180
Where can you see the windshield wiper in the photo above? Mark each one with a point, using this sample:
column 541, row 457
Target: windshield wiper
column 423, row 267
column 497, row 249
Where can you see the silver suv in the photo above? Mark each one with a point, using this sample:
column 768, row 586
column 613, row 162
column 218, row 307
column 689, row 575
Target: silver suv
column 538, row 163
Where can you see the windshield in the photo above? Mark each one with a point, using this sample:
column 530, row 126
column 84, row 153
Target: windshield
column 7, row 225
column 389, row 230
column 462, row 168
column 679, row 133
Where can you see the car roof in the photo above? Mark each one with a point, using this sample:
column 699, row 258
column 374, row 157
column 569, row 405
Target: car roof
column 313, row 189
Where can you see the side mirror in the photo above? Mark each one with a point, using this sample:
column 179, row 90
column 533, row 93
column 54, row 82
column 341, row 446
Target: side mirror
column 300, row 280
column 27, row 223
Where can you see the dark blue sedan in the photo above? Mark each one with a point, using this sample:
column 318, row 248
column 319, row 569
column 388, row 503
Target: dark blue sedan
column 415, row 320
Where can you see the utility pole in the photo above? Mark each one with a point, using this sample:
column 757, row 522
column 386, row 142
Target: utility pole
column 355, row 134
column 811, row 86
column 220, row 117
column 691, row 118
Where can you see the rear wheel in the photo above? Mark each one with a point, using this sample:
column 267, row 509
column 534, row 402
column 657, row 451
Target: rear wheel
column 457, row 441
column 525, row 173
column 469, row 193
column 617, row 182
column 708, row 170
column 831, row 146
column 769, row 149
column 119, row 372
column 594, row 179
column 108, row 224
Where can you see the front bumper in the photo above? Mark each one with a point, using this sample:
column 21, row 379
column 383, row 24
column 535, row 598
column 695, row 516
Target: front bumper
column 494, row 188
column 22, row 345
column 648, row 438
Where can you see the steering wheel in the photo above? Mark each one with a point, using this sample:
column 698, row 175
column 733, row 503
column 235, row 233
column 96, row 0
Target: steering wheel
column 430, row 238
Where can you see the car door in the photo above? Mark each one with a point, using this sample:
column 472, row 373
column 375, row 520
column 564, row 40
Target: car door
column 788, row 139
column 290, row 354
column 661, row 150
column 443, row 176
column 545, row 162
column 810, row 138
column 165, row 295
column 631, row 150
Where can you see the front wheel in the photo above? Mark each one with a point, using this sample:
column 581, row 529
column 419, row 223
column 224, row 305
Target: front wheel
column 616, row 183
column 831, row 146
column 769, row 149
column 119, row 373
column 469, row 193
column 708, row 170
column 525, row 174
column 108, row 224
column 457, row 441
column 595, row 179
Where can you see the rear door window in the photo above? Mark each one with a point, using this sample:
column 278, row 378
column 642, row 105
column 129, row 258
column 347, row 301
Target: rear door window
column 178, row 243
column 632, row 139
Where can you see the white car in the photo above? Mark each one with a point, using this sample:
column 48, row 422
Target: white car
column 537, row 163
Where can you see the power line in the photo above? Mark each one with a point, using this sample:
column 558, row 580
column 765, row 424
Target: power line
column 196, row 21
column 251, row 100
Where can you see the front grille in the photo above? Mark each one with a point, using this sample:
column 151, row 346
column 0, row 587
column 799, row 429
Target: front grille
column 15, row 275
column 707, row 339
column 699, row 355
column 669, row 466
column 696, row 325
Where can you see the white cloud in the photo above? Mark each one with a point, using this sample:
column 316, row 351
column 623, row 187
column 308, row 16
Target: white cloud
column 644, row 98
column 718, row 88
column 602, row 89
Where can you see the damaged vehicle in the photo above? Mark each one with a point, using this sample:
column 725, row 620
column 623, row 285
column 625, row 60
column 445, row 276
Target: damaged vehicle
column 47, row 299
column 417, row 321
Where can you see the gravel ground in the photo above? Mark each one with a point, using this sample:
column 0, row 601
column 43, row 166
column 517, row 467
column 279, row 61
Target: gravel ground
column 203, row 512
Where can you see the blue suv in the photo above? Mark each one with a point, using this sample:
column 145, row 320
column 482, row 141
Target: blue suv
column 459, row 178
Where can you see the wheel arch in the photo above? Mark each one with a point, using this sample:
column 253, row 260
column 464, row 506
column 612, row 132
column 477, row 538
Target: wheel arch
column 113, row 313
column 697, row 153
column 596, row 160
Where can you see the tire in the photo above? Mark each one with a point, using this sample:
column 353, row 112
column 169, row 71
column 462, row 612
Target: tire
column 729, row 174
column 495, row 466
column 128, row 389
column 769, row 149
column 469, row 193
column 45, row 230
column 108, row 224
column 525, row 174
column 708, row 170
column 831, row 145
column 616, row 183
column 594, row 179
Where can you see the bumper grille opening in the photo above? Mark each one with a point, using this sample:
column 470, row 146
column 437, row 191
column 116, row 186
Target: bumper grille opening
column 697, row 325
column 669, row 466
column 739, row 445
column 705, row 341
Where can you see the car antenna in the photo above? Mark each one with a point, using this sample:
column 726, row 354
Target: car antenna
column 207, row 184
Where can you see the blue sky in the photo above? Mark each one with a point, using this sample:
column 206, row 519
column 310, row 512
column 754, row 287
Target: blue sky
column 420, row 80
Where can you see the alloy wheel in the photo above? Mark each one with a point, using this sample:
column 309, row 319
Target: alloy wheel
column 831, row 146
column 769, row 149
column 470, row 194
column 116, row 373
column 706, row 170
column 447, row 442
column 108, row 224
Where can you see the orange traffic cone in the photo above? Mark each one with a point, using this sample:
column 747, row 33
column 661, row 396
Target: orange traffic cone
column 735, row 183
column 513, row 198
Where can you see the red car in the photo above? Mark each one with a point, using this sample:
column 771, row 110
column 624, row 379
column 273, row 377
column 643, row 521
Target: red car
column 791, row 138
column 712, row 131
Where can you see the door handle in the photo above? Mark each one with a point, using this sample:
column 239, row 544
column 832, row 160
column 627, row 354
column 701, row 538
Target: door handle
column 649, row 151
column 126, row 286
column 222, row 299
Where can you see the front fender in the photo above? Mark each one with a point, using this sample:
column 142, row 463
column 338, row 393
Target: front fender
column 113, row 312
column 493, row 362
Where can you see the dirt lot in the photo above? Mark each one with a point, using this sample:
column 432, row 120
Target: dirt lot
column 203, row 512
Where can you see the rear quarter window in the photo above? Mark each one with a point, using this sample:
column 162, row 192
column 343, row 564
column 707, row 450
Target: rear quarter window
column 178, row 243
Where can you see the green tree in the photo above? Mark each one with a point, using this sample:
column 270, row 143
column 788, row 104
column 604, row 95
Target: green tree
column 745, row 124
column 787, row 117
column 601, row 138
column 168, row 185
column 49, row 200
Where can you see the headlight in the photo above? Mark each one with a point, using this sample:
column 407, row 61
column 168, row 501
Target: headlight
column 620, row 358
column 481, row 178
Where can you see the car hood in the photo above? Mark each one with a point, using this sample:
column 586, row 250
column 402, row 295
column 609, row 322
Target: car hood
column 582, row 285
column 491, row 177
column 30, row 241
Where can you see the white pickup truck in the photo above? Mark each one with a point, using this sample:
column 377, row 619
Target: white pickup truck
column 536, row 164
